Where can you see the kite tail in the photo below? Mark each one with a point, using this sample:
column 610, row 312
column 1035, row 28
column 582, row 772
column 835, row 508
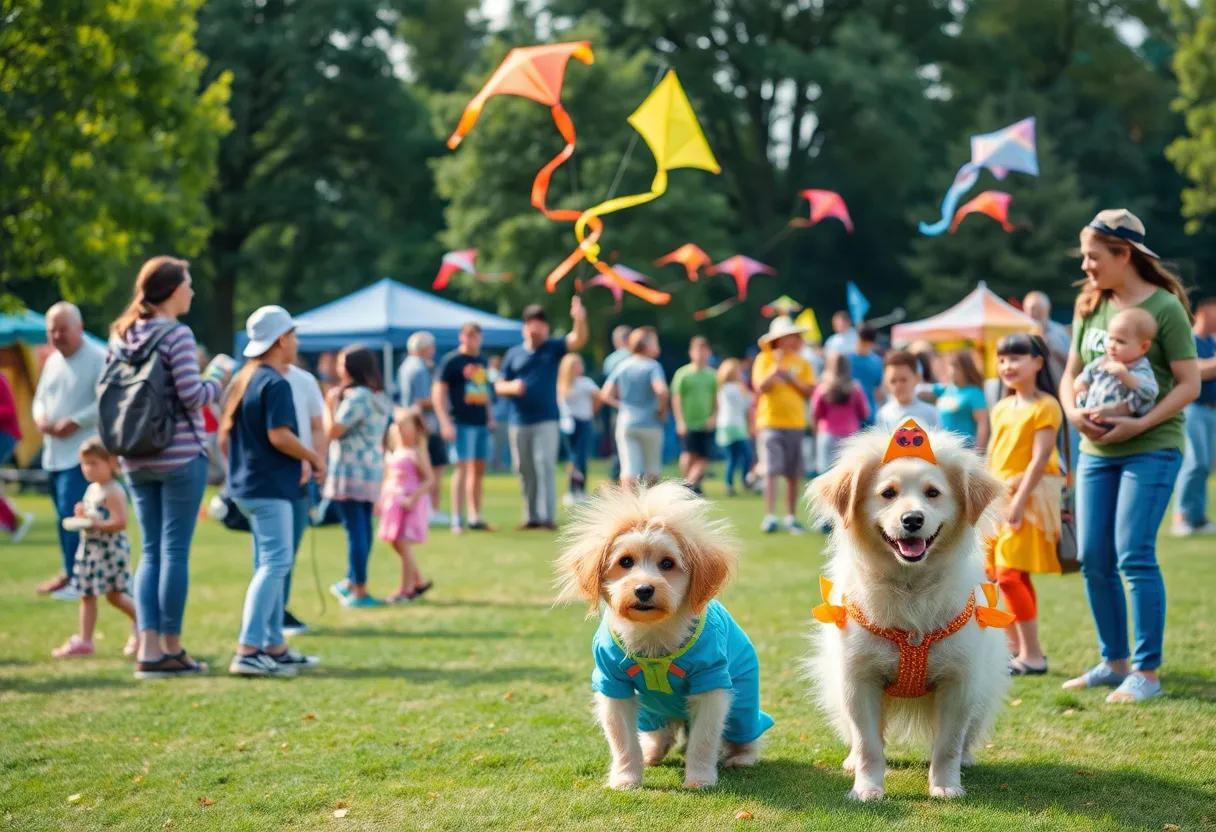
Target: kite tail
column 964, row 181
column 715, row 310
column 540, row 185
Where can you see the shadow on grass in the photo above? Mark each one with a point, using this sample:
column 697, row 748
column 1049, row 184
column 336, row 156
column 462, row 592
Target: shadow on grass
column 1198, row 688
column 484, row 604
column 374, row 632
column 454, row 676
column 59, row 684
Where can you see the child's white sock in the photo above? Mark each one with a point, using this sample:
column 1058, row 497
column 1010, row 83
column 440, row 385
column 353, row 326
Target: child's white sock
column 474, row 519
column 789, row 520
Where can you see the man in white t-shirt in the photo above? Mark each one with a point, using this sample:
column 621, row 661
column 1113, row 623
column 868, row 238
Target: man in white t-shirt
column 310, row 412
column 900, row 375
column 843, row 339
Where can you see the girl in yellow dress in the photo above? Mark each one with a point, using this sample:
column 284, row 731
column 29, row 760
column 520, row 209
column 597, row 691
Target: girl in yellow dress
column 1022, row 453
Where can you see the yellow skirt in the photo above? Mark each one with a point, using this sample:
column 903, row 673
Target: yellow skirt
column 1032, row 548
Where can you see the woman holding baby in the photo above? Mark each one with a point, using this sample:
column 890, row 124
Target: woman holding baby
column 1131, row 371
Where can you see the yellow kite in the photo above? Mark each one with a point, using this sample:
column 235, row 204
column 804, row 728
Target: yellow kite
column 673, row 134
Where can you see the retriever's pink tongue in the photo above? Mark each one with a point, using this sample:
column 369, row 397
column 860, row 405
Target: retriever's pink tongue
column 915, row 547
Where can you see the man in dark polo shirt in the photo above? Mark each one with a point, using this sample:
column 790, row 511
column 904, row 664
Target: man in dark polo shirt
column 529, row 382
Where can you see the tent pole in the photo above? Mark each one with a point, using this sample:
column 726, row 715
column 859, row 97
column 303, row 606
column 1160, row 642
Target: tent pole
column 388, row 369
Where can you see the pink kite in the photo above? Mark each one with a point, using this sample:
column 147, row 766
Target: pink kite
column 742, row 269
column 613, row 286
column 463, row 261
column 691, row 257
column 824, row 204
column 994, row 204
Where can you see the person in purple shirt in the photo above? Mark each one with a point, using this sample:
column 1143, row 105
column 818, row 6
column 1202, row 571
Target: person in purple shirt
column 166, row 488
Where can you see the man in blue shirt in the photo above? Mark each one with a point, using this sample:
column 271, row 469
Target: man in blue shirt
column 867, row 367
column 529, row 382
column 1192, row 486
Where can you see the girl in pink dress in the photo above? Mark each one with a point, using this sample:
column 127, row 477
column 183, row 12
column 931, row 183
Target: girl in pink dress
column 405, row 503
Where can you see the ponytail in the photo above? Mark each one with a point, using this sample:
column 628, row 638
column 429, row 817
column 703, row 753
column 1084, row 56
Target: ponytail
column 157, row 281
column 232, row 401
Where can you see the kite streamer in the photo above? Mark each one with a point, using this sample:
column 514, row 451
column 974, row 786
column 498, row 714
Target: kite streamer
column 994, row 204
column 691, row 257
column 667, row 123
column 742, row 269
column 824, row 204
column 463, row 261
column 613, row 286
column 1009, row 149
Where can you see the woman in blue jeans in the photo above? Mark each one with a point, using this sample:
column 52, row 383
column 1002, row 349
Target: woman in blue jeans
column 166, row 488
column 265, row 478
column 1128, row 464
column 357, row 415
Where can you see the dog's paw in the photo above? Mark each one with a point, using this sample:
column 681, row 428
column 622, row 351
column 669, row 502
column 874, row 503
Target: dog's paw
column 624, row 782
column 701, row 780
column 740, row 755
column 947, row 792
column 865, row 794
column 654, row 749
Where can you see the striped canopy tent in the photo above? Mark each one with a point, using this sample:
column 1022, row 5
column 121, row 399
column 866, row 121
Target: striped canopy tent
column 980, row 319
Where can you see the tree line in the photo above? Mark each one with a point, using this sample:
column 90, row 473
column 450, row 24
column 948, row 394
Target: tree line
column 295, row 151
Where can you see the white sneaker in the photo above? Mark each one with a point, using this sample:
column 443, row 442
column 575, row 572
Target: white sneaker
column 569, row 500
column 1208, row 527
column 1181, row 528
column 769, row 524
column 23, row 528
column 68, row 593
column 440, row 519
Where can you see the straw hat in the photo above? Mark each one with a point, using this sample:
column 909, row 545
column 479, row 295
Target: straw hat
column 781, row 326
column 1122, row 223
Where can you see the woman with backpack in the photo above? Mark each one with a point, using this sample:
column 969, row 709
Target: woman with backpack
column 166, row 466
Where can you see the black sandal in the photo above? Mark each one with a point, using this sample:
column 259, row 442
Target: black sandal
column 1019, row 668
column 422, row 590
column 170, row 666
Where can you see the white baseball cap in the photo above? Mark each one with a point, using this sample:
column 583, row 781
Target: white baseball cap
column 264, row 327
column 1122, row 223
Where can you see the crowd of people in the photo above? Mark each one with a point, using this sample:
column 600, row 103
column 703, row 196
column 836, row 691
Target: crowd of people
column 1134, row 381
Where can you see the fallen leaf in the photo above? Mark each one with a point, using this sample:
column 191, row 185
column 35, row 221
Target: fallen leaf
column 147, row 766
column 1171, row 827
column 432, row 795
column 73, row 798
column 1069, row 711
column 283, row 746
column 340, row 813
column 204, row 802
column 1015, row 703
column 743, row 814
column 489, row 724
column 266, row 795
column 310, row 717
column 240, row 746
column 1004, row 787
column 168, row 824
column 510, row 695
column 1083, row 773
column 1091, row 803
column 479, row 758
column 989, row 745
column 341, row 804
column 135, row 739
column 139, row 778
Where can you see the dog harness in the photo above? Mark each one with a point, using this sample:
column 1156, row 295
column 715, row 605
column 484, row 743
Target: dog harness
column 912, row 674
column 654, row 670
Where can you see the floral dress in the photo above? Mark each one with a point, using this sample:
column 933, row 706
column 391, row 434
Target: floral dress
column 356, row 461
column 103, row 559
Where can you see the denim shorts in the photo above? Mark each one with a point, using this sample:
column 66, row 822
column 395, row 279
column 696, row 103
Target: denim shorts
column 472, row 444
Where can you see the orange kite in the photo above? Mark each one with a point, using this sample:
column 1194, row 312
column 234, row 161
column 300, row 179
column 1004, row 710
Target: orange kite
column 690, row 256
column 994, row 204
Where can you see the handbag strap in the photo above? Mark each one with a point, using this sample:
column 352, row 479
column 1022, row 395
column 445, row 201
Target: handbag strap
column 1068, row 472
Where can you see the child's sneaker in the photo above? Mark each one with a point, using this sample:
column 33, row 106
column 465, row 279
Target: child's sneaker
column 569, row 500
column 793, row 526
column 74, row 648
column 362, row 602
column 769, row 524
column 259, row 664
column 340, row 590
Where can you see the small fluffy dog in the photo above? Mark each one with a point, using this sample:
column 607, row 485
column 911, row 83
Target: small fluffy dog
column 656, row 559
column 910, row 648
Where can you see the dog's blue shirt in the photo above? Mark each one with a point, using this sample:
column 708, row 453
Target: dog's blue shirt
column 718, row 656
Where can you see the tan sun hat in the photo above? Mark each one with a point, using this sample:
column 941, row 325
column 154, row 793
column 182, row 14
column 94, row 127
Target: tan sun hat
column 781, row 326
column 1122, row 223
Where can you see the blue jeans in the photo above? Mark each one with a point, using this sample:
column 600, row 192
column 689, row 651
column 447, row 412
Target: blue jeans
column 738, row 458
column 357, row 520
column 578, row 448
column 271, row 524
column 166, row 505
column 1120, row 504
column 1192, row 483
column 300, row 521
column 67, row 489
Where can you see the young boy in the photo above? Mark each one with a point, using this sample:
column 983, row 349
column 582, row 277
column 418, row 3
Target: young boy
column 783, row 382
column 694, row 403
column 1121, row 383
column 899, row 378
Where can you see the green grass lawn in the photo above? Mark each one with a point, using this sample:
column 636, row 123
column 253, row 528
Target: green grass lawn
column 471, row 710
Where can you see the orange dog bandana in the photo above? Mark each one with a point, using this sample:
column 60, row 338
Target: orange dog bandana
column 912, row 674
column 909, row 440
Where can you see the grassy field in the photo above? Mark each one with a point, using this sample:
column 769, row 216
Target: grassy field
column 470, row 710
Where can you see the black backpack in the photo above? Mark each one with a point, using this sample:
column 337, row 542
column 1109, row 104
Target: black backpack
column 137, row 405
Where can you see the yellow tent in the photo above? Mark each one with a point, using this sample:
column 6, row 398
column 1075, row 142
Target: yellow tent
column 980, row 319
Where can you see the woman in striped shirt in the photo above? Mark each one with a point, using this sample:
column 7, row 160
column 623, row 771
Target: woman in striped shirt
column 167, row 488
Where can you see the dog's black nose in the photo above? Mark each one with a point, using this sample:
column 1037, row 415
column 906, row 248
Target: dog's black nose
column 913, row 520
column 644, row 592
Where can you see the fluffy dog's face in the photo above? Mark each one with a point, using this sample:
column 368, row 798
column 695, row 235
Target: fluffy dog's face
column 649, row 555
column 903, row 513
column 645, row 577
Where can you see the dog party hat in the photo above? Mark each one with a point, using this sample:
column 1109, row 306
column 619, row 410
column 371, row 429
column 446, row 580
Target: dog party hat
column 909, row 440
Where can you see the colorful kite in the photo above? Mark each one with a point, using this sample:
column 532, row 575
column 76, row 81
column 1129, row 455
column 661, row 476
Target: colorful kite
column 824, row 204
column 536, row 73
column 857, row 303
column 666, row 121
column 691, row 257
column 463, row 261
column 742, row 269
column 613, row 286
column 784, row 305
column 993, row 203
column 807, row 321
column 1006, row 150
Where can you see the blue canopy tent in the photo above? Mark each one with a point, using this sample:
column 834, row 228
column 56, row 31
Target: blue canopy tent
column 384, row 315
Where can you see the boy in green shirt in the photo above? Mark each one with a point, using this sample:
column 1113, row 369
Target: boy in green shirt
column 694, row 402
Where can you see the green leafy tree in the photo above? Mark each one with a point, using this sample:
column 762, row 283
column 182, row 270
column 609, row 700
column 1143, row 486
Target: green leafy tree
column 323, row 185
column 1195, row 153
column 107, row 139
